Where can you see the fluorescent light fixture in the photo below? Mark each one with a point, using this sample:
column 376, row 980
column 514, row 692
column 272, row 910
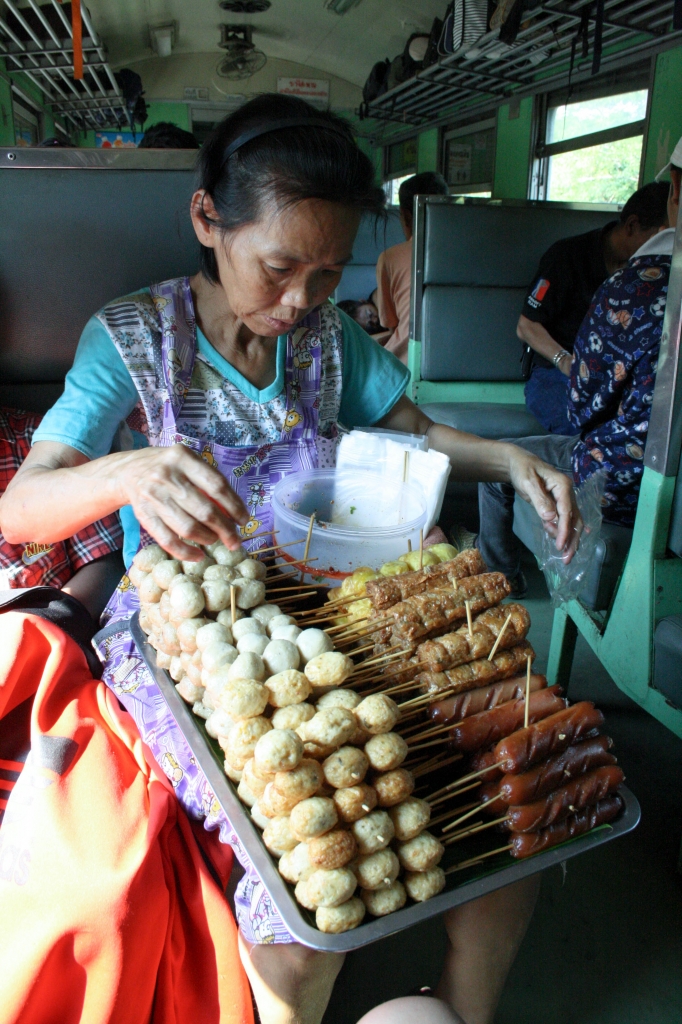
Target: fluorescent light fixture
column 340, row 6
column 163, row 38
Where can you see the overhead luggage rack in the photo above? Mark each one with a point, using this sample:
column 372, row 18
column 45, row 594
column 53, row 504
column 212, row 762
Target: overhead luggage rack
column 38, row 40
column 488, row 70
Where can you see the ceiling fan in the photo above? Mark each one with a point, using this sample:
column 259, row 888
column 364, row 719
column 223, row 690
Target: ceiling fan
column 241, row 59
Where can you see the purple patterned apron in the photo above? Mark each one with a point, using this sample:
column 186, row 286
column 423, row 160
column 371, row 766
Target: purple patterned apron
column 158, row 344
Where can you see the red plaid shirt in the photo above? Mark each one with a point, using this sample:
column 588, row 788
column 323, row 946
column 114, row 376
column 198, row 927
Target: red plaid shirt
column 33, row 564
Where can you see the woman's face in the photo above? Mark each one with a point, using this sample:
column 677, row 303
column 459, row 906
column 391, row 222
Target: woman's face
column 274, row 272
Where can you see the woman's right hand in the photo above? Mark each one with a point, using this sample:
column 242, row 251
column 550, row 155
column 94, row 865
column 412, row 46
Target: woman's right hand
column 177, row 497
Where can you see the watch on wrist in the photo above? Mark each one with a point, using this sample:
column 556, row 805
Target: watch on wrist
column 559, row 356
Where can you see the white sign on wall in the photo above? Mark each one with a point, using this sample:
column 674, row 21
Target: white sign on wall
column 314, row 90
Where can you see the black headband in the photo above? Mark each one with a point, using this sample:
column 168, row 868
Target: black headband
column 274, row 126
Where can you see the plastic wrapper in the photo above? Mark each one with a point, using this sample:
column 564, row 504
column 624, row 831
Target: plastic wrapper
column 566, row 581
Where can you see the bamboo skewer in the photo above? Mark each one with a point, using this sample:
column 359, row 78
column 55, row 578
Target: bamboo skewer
column 306, row 550
column 288, row 565
column 438, row 763
column 449, row 796
column 470, row 628
column 465, row 779
column 299, row 586
column 421, row 550
column 233, row 604
column 527, row 706
column 499, row 637
column 464, row 817
column 431, row 743
column 448, row 814
column 472, row 831
column 475, row 860
column 256, row 536
column 276, row 547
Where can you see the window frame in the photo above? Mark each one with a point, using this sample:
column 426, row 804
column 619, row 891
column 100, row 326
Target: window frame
column 486, row 124
column 404, row 172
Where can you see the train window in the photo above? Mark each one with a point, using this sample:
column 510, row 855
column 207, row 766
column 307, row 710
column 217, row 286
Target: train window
column 593, row 148
column 400, row 162
column 469, row 158
column 26, row 125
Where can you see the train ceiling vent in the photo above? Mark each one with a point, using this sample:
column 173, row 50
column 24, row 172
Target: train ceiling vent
column 245, row 6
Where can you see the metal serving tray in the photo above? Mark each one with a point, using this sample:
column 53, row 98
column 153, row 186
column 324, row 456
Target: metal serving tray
column 469, row 885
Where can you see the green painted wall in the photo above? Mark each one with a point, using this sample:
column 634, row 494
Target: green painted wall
column 6, row 118
column 427, row 151
column 177, row 113
column 665, row 123
column 512, row 154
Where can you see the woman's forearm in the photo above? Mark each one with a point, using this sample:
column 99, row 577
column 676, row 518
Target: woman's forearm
column 56, row 494
column 472, row 458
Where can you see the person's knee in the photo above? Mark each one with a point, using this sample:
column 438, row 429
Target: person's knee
column 411, row 1009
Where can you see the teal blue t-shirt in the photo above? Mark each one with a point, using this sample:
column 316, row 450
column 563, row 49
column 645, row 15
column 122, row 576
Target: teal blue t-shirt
column 99, row 393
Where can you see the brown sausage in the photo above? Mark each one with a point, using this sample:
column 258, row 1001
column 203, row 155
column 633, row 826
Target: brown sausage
column 526, row 843
column 581, row 792
column 557, row 770
column 526, row 747
column 488, row 727
column 484, row 698
column 485, row 759
column 494, row 805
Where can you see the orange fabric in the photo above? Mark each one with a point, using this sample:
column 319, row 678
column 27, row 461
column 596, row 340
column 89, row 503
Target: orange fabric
column 394, row 281
column 109, row 914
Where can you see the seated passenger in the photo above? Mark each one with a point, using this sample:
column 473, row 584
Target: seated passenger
column 394, row 268
column 610, row 392
column 80, row 565
column 166, row 135
column 568, row 276
column 363, row 312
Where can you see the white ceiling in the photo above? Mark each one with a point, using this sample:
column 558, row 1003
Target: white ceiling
column 296, row 30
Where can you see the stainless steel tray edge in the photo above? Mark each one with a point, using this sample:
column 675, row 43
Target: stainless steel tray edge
column 492, row 877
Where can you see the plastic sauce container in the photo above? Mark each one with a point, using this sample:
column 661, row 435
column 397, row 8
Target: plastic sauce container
column 361, row 518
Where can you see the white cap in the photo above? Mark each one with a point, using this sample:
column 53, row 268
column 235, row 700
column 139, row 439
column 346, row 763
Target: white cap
column 675, row 158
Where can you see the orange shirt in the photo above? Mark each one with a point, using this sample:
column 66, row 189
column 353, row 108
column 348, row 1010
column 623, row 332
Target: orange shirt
column 394, row 274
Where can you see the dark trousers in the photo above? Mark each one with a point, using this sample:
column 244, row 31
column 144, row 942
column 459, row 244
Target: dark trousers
column 497, row 542
column 546, row 394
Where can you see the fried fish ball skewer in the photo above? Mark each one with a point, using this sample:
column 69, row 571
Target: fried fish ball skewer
column 420, row 615
column 504, row 665
column 389, row 590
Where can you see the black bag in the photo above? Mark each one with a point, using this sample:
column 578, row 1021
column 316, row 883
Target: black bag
column 377, row 81
column 431, row 55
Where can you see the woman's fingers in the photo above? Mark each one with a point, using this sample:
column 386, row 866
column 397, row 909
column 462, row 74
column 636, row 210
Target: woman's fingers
column 165, row 537
column 551, row 494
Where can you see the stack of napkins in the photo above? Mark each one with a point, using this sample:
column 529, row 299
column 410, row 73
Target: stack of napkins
column 380, row 453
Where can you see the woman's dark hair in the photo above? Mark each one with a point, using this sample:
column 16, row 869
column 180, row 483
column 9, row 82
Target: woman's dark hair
column 166, row 135
column 282, row 167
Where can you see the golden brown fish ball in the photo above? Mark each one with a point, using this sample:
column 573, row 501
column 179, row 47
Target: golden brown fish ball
column 247, row 666
column 169, row 638
column 211, row 633
column 381, row 902
column 410, row 817
column 245, row 793
column 194, row 668
column 300, row 783
column 423, row 885
column 394, row 787
column 421, row 853
column 243, row 739
column 346, row 767
column 164, row 660
column 265, row 612
column 247, row 625
column 275, row 621
column 278, row 750
column 254, row 779
column 373, row 832
column 277, row 836
column 164, row 572
column 333, row 850
column 377, row 870
column 214, row 682
column 359, row 737
column 292, row 716
column 267, row 807
column 252, row 569
column 218, row 723
column 149, row 590
column 330, row 727
column 301, row 894
column 330, row 888
column 354, row 802
column 216, row 594
column 313, row 817
column 280, row 656
column 258, row 817
column 234, row 774
column 186, row 601
column 318, row 751
column 197, row 569
column 296, row 865
column 386, row 751
column 334, row 920
column 253, row 643
column 147, row 558
column 330, row 669
column 313, row 642
column 248, row 593
column 225, row 617
column 377, row 713
column 175, row 669
column 219, row 572
column 347, row 699
column 243, row 698
column 218, row 655
column 287, row 687
column 224, row 556
column 188, row 691
column 187, row 633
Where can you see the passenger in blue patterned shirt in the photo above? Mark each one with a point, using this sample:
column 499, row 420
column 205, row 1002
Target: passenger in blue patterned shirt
column 610, row 394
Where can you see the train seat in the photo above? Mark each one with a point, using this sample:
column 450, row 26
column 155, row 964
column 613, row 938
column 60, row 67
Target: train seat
column 668, row 659
column 359, row 276
column 489, row 420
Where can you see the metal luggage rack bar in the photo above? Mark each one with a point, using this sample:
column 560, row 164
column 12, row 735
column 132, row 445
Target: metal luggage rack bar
column 466, row 82
column 47, row 60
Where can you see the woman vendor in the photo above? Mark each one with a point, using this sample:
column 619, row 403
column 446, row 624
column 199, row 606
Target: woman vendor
column 229, row 380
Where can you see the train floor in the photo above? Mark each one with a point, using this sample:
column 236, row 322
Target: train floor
column 605, row 943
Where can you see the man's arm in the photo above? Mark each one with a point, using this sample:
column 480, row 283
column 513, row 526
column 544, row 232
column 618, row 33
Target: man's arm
column 542, row 342
column 384, row 300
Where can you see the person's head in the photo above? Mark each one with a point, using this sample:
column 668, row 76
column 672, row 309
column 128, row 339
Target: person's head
column 166, row 135
column 674, row 168
column 427, row 184
column 644, row 214
column 364, row 313
column 281, row 191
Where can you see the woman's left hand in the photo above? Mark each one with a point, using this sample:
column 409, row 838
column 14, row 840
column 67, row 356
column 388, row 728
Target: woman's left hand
column 551, row 494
